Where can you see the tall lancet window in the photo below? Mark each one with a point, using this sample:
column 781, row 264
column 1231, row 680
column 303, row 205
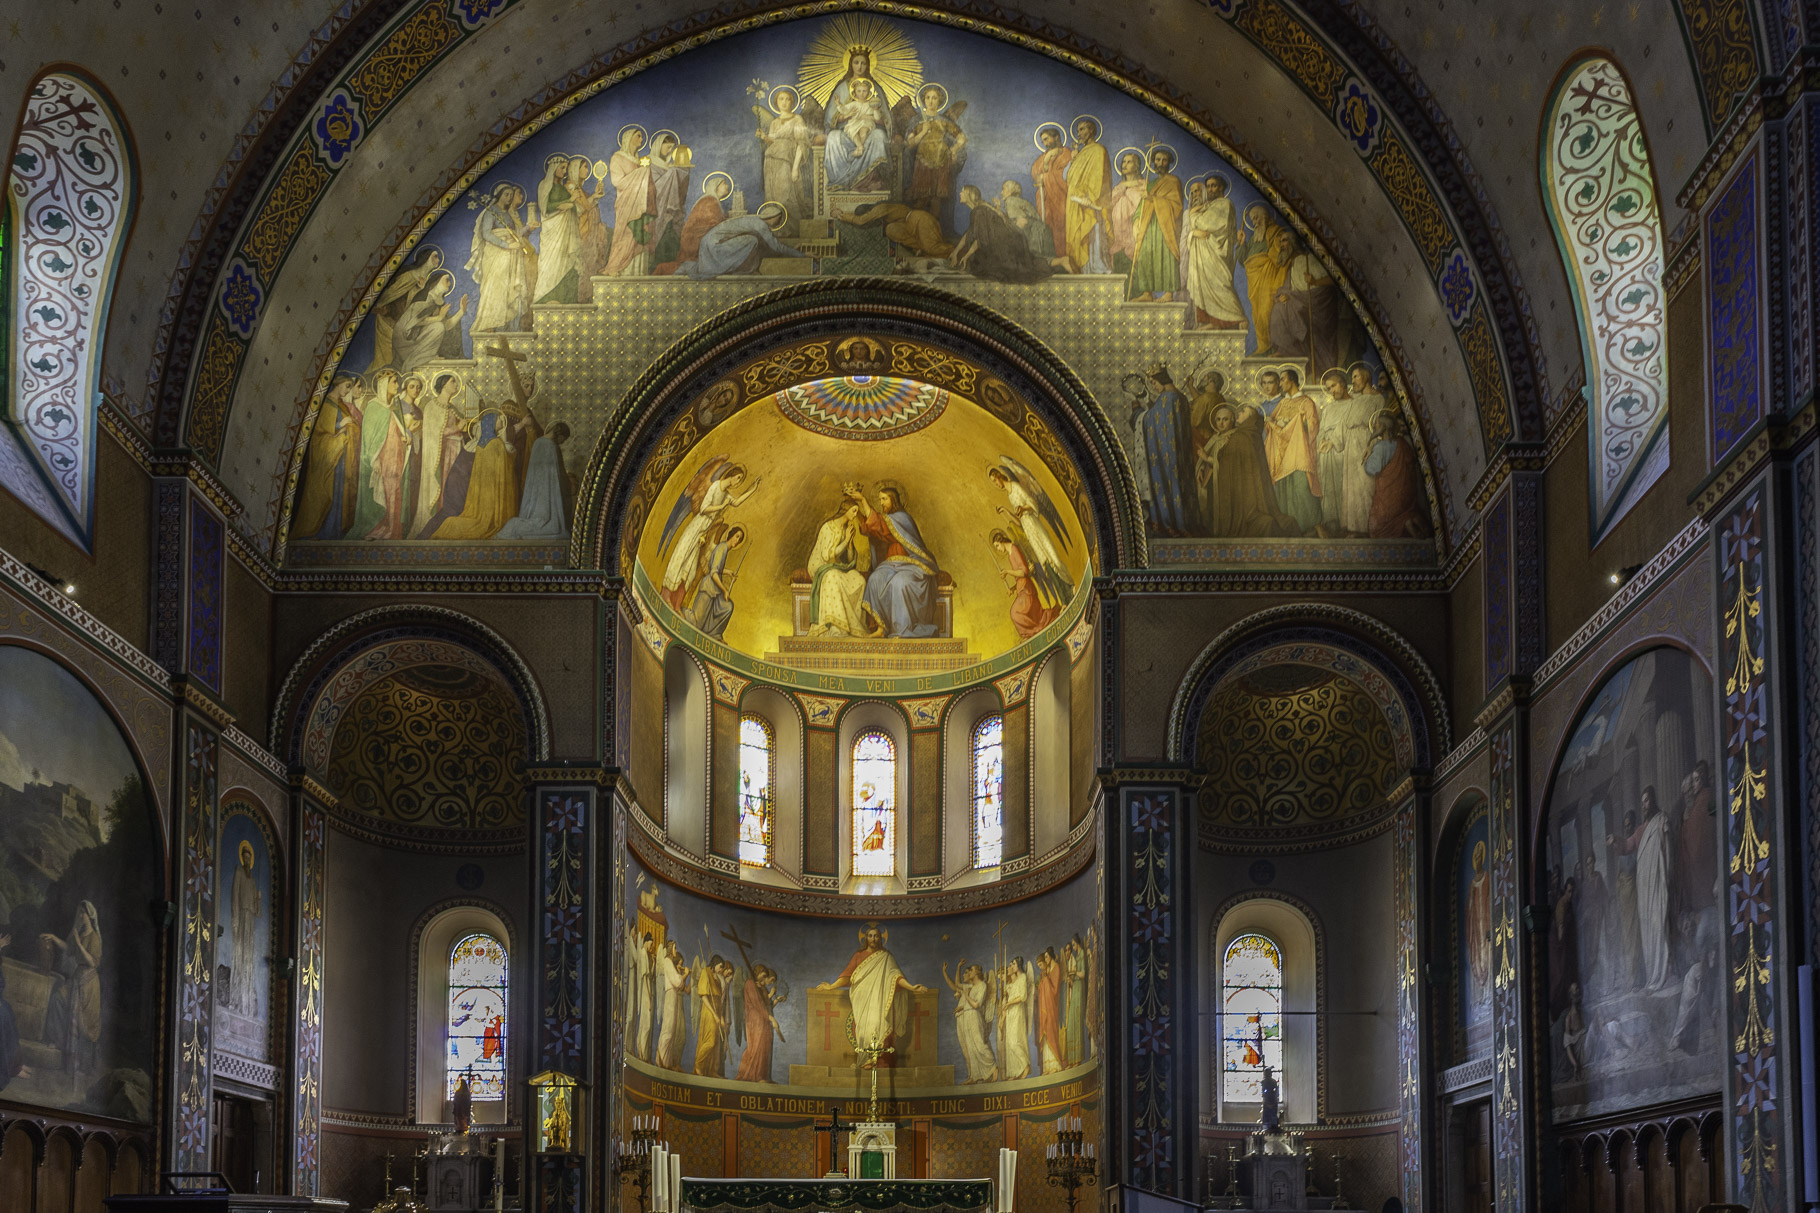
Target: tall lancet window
column 1251, row 1018
column 757, row 789
column 477, row 1016
column 69, row 197
column 1601, row 195
column 989, row 791
column 874, row 805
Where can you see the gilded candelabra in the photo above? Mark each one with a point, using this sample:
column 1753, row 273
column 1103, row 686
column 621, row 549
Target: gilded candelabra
column 632, row 1161
column 1073, row 1163
column 869, row 1055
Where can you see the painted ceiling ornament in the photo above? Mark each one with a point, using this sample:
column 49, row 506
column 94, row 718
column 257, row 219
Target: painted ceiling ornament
column 1359, row 116
column 1457, row 288
column 337, row 129
column 241, row 298
column 834, row 58
column 472, row 14
column 862, row 406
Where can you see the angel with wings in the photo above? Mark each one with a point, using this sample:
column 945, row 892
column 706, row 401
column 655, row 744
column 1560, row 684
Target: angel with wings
column 975, row 1012
column 938, row 150
column 711, row 492
column 1029, row 509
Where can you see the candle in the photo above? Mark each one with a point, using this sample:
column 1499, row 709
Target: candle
column 675, row 1182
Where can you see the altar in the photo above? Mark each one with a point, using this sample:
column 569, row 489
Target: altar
column 839, row 1195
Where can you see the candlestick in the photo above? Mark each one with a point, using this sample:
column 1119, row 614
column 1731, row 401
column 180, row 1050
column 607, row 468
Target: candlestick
column 1071, row 1161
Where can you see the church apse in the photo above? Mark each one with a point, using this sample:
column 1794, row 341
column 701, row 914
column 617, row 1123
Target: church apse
column 990, row 1017
column 1248, row 393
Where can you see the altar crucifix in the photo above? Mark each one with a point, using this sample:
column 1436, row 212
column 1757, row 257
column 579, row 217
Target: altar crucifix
column 831, row 1126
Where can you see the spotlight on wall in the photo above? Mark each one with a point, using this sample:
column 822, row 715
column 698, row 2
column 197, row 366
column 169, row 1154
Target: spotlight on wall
column 67, row 586
column 1624, row 574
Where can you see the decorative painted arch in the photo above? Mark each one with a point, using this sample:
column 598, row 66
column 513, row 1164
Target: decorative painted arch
column 964, row 346
column 366, row 647
column 1345, row 641
column 1599, row 188
column 71, row 186
column 207, row 352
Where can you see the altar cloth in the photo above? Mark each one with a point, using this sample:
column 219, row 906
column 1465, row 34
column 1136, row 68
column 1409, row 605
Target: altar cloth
column 837, row 1195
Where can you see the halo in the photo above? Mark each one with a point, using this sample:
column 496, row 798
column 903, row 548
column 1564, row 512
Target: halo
column 925, row 86
column 1036, row 136
column 1143, row 160
column 245, row 852
column 1174, row 156
column 782, row 212
column 894, row 67
column 656, row 135
column 723, row 176
column 1099, row 128
column 553, row 157
column 620, row 140
column 771, row 97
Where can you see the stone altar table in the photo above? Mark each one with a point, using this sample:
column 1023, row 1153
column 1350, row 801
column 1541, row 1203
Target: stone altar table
column 837, row 1196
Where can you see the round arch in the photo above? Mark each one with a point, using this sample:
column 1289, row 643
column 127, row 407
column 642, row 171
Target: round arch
column 660, row 416
column 1346, row 641
column 344, row 659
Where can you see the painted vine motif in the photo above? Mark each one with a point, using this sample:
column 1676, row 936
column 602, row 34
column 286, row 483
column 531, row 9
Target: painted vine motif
column 1602, row 203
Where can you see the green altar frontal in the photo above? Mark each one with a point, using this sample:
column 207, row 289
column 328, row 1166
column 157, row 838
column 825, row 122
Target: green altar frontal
column 837, row 1195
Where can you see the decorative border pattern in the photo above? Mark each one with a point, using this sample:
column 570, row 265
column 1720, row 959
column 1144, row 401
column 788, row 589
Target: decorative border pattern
column 1734, row 344
column 205, row 597
column 1751, row 952
column 318, row 148
column 306, row 1071
column 196, row 958
column 1509, row 1172
column 1411, row 1094
column 562, row 973
column 1722, row 42
column 1151, row 986
column 1641, row 584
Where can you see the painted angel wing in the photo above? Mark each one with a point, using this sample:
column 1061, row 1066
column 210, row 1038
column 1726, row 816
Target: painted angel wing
column 764, row 117
column 690, row 501
column 1044, row 505
column 815, row 115
column 903, row 115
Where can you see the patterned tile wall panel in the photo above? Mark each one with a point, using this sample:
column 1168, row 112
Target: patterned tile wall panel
column 965, row 1149
column 1498, row 607
column 1735, row 359
column 1508, row 1111
column 193, row 1074
column 311, row 860
column 204, row 656
column 780, row 1148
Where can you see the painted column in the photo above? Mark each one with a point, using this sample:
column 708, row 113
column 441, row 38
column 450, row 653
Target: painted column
column 1151, row 1051
column 1414, row 1030
column 1512, row 526
column 310, row 803
column 192, row 1069
column 564, row 963
column 1763, row 1087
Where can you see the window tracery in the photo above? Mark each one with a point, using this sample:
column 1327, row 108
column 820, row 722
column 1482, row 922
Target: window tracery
column 1251, row 1002
column 874, row 804
column 69, row 197
column 757, row 789
column 477, row 1016
column 988, row 786
column 1602, row 204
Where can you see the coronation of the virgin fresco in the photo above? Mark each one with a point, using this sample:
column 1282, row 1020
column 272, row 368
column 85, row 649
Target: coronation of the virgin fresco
column 1243, row 385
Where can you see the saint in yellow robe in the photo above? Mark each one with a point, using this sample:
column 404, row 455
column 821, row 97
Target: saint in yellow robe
column 331, row 482
column 1268, row 251
column 493, row 483
column 1089, row 182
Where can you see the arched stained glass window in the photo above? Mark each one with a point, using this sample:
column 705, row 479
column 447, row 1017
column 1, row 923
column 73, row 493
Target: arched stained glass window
column 989, row 791
column 1251, row 1021
column 69, row 195
column 477, row 1015
column 757, row 789
column 874, row 805
column 1602, row 203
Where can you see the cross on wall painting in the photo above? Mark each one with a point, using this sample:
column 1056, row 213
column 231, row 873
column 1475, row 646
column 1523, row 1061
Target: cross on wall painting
column 1240, row 379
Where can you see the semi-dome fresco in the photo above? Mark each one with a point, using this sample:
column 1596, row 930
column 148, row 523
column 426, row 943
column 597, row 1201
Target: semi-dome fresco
column 1246, row 390
column 867, row 525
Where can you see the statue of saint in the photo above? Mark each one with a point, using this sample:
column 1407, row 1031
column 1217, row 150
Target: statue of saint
column 463, row 1105
column 1270, row 1115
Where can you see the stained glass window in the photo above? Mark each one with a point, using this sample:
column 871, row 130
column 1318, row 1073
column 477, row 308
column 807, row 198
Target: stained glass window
column 1251, row 1022
column 874, row 805
column 477, row 1015
column 989, row 792
column 757, row 789
column 1602, row 203
column 70, row 190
